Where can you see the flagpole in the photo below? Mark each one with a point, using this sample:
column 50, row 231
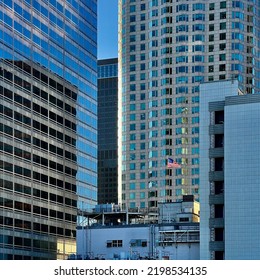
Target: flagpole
column 171, row 163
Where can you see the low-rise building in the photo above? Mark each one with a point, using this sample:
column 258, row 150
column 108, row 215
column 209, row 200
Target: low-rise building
column 114, row 234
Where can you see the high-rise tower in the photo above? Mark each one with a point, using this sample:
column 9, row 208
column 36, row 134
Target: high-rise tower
column 166, row 49
column 48, row 124
column 107, row 130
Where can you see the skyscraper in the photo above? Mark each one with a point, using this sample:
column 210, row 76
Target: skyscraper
column 48, row 121
column 166, row 49
column 107, row 131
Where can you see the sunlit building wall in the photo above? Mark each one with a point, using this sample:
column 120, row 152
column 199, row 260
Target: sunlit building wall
column 166, row 49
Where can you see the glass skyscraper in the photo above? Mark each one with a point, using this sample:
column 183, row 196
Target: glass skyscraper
column 107, row 131
column 48, row 122
column 167, row 49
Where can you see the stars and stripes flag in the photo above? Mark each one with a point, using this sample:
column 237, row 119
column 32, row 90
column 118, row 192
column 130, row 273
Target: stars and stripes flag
column 172, row 163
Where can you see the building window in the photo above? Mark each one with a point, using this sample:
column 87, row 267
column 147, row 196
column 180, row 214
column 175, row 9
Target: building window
column 222, row 47
column 198, row 6
column 138, row 243
column 222, row 25
column 222, row 57
column 211, row 6
column 211, row 37
column 142, row 17
column 182, row 7
column 132, row 18
column 211, row 58
column 211, row 68
column 114, row 243
column 211, row 17
column 198, row 27
column 211, row 48
column 132, row 8
column 223, row 5
column 211, row 27
column 223, row 15
column 222, row 36
column 184, row 219
column 132, row 28
column 132, row 196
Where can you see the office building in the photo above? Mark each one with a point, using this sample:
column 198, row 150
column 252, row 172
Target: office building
column 166, row 49
column 107, row 131
column 229, row 172
column 48, row 122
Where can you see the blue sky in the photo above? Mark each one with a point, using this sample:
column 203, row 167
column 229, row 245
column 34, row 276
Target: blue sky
column 107, row 28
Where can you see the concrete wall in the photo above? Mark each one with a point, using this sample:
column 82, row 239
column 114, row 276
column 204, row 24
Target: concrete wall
column 242, row 181
column 92, row 242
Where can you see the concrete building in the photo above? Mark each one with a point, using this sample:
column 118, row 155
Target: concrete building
column 48, row 123
column 107, row 131
column 119, row 234
column 187, row 210
column 166, row 49
column 229, row 172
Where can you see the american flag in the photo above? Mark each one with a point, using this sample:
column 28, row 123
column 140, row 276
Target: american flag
column 172, row 163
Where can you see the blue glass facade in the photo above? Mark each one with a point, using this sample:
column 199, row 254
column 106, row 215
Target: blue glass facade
column 50, row 47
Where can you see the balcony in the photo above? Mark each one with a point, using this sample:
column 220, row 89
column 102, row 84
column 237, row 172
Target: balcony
column 216, row 129
column 216, row 175
column 216, row 245
column 216, row 199
column 216, row 152
column 216, row 222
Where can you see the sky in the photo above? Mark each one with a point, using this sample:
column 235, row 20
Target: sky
column 107, row 29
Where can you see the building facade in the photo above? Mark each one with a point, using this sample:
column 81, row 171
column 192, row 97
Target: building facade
column 139, row 242
column 119, row 234
column 48, row 123
column 187, row 210
column 107, row 131
column 229, row 193
column 212, row 168
column 166, row 49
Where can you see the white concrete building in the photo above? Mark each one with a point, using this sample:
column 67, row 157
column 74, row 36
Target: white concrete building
column 143, row 241
column 119, row 234
column 229, row 172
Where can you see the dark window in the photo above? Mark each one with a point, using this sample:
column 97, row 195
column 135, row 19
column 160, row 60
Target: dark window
column 219, row 164
column 222, row 36
column 219, row 140
column 223, row 15
column 211, row 17
column 36, row 90
column 44, row 78
column 219, row 211
column 36, row 74
column 219, row 117
column 219, row 187
column 219, row 255
column 52, row 83
column 222, row 46
column 44, row 94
